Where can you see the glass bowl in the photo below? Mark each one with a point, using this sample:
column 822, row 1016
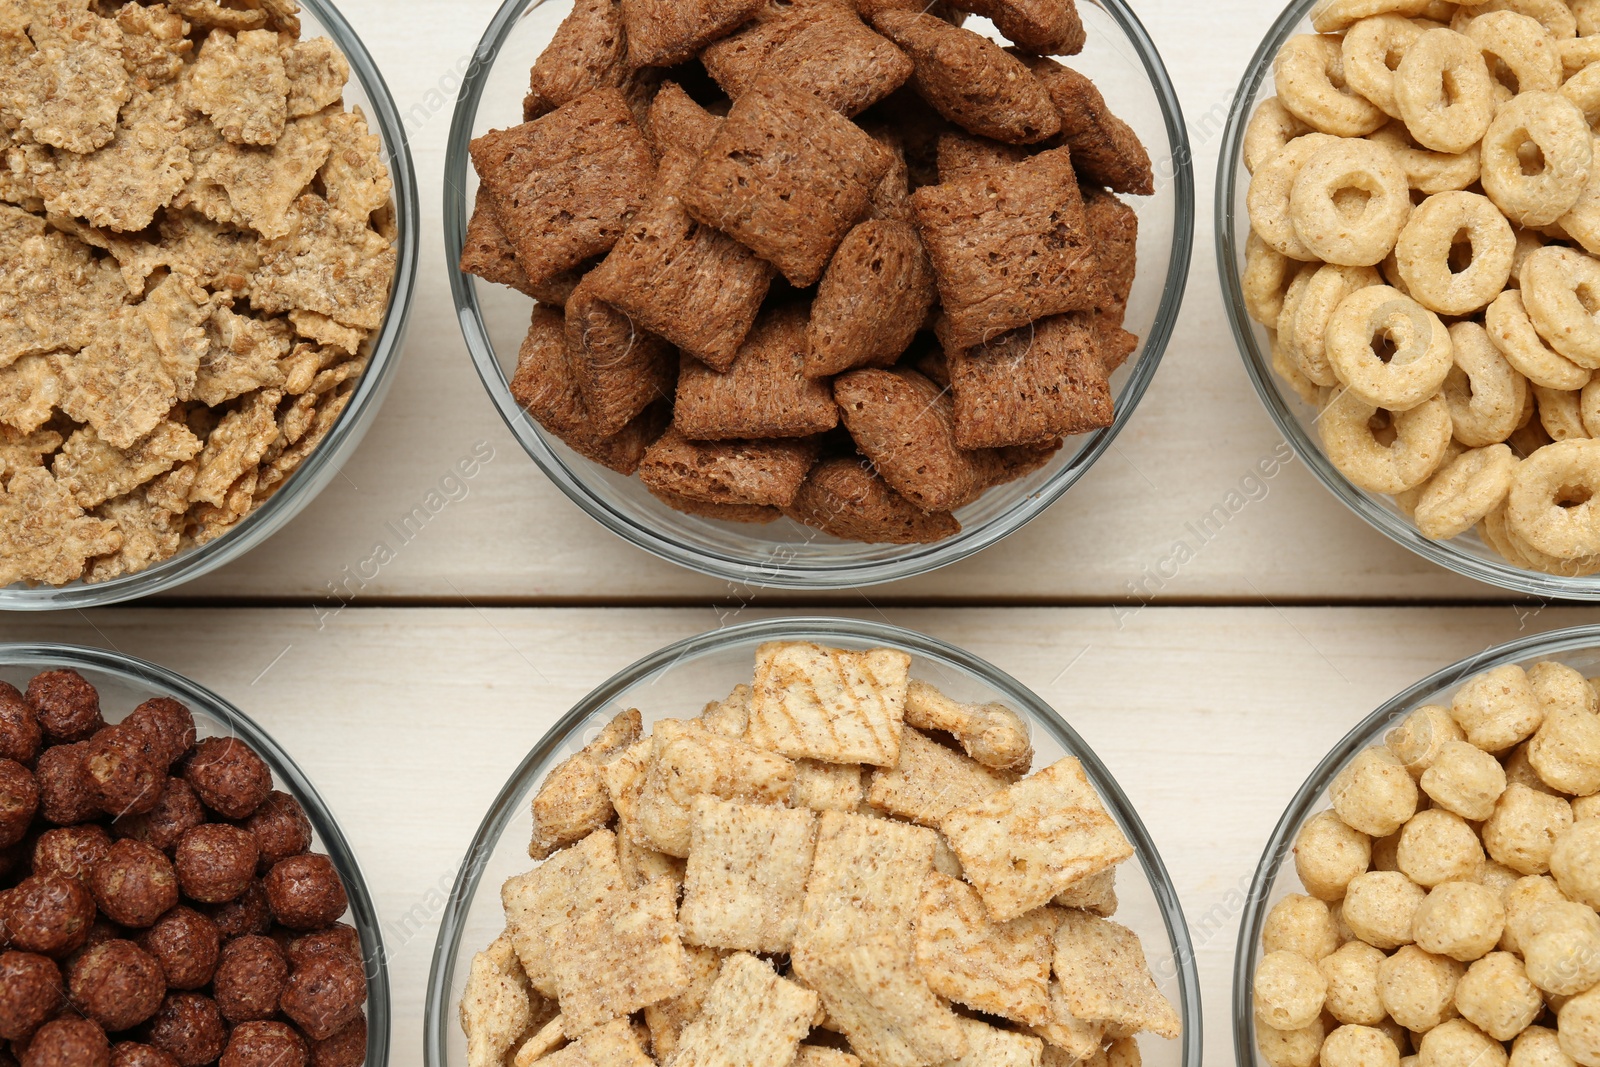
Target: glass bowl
column 125, row 682
column 676, row 682
column 1468, row 554
column 1120, row 57
column 1275, row 878
column 368, row 91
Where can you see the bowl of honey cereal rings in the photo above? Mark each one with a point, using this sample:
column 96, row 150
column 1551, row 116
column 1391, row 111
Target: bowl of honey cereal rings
column 1408, row 220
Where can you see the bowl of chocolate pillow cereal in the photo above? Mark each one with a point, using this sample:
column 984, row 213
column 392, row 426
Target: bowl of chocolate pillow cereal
column 816, row 293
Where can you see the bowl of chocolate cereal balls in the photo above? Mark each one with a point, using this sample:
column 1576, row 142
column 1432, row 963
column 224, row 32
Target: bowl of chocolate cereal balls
column 817, row 293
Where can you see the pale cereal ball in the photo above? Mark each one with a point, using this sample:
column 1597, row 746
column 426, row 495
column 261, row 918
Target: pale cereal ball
column 1566, row 750
column 1374, row 793
column 1555, row 685
column 1458, row 1043
column 1575, row 862
column 1538, row 1046
column 1462, row 920
column 1291, row 1048
column 1398, row 1035
column 1522, row 903
column 1466, row 780
column 1522, row 831
column 1386, row 854
column 1381, row 908
column 1352, row 975
column 1418, row 988
column 1336, row 913
column 1585, row 808
column 1301, row 924
column 1578, row 1028
column 1496, row 876
column 1561, row 947
column 1497, row 709
column 1289, row 990
column 1328, row 853
column 1496, row 996
column 1417, row 740
column 1520, row 772
column 1359, row 1046
column 1437, row 846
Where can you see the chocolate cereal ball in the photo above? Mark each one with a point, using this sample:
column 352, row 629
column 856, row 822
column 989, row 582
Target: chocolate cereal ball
column 215, row 862
column 186, row 945
column 230, row 779
column 189, row 1027
column 347, row 1048
column 324, row 994
column 135, row 885
column 19, row 800
column 124, row 777
column 280, row 828
column 20, row 733
column 305, row 892
column 67, row 705
column 117, row 984
column 250, row 978
column 265, row 1044
column 136, row 1054
column 74, row 851
column 68, row 1042
column 30, row 993
column 49, row 914
column 176, row 811
column 336, row 938
column 65, row 798
column 167, row 726
column 247, row 913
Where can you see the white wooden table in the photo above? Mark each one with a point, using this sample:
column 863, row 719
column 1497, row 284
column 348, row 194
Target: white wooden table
column 411, row 706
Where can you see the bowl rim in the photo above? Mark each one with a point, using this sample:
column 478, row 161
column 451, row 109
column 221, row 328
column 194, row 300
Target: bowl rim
column 1281, row 844
column 778, row 572
column 306, row 483
column 1257, row 364
column 441, row 972
column 141, row 673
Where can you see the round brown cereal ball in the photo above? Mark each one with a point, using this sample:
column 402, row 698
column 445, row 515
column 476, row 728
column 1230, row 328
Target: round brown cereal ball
column 168, row 726
column 230, row 779
column 265, row 1044
column 19, row 801
column 1417, row 740
column 1328, row 854
column 67, row 705
column 1462, row 920
column 68, row 1042
column 123, row 777
column 1280, row 1048
column 347, row 1048
column 177, row 810
column 1458, row 1042
column 1522, row 831
column 338, row 938
column 280, row 828
column 136, row 1054
column 189, row 1027
column 49, row 914
column 1418, row 988
column 305, row 892
column 1575, row 862
column 250, row 978
column 1496, row 996
column 1520, row 772
column 1538, row 1046
column 1561, row 948
column 1374, row 793
column 20, row 733
column 1352, row 977
column 30, row 993
column 1465, row 780
column 135, row 885
column 74, row 851
column 186, row 944
column 1558, row 687
column 1380, row 907
column 215, row 862
column 1522, row 902
column 1566, row 750
column 247, row 913
column 1359, row 1046
column 64, row 795
column 326, row 992
column 1497, row 709
column 1436, row 846
column 117, row 984
column 1289, row 990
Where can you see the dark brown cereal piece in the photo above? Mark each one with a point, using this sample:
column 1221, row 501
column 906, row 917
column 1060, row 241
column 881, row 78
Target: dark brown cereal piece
column 135, row 884
column 190, row 1028
column 620, row 369
column 1035, row 384
column 1008, row 247
column 764, row 394
column 938, row 8
column 100, row 931
column 485, row 251
column 30, row 993
column 280, row 827
column 970, row 80
column 346, row 1048
column 1114, row 229
column 117, row 984
column 763, row 473
column 821, row 49
column 324, row 994
column 169, row 726
column 19, row 801
column 676, row 121
column 20, row 733
column 905, row 424
column 565, row 184
column 1103, row 147
column 589, row 50
column 872, row 301
column 265, row 1044
column 892, row 197
column 916, row 128
column 229, row 778
column 68, row 1042
column 845, row 498
column 1048, row 27
column 137, row 1054
column 339, row 938
column 927, row 359
column 251, row 974
column 49, row 914
column 1115, row 343
column 664, row 32
column 215, row 862
column 963, row 155
column 67, row 705
column 73, row 851
column 64, row 795
column 248, row 913
column 186, row 944
column 746, row 513
column 125, row 776
column 305, row 892
column 787, row 177
column 177, row 810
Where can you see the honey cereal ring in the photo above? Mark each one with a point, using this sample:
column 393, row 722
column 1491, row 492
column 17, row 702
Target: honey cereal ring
column 1528, row 242
column 1424, row 253
column 1407, row 501
column 1291, row 307
column 1444, row 91
column 1265, row 279
column 1464, row 493
column 1589, row 405
column 1328, row 210
column 1493, row 531
column 1513, row 333
column 1555, row 500
column 1522, row 57
column 1554, row 15
column 1421, row 360
column 1271, row 129
column 1329, row 287
column 1537, row 194
column 1286, row 368
column 1561, row 414
column 1372, row 50
column 1582, row 223
column 1485, row 393
column 1352, row 443
column 1270, row 190
column 1309, row 74
column 1532, row 436
column 1544, row 562
column 1330, row 16
column 1429, row 172
column 1577, row 53
column 1583, row 90
column 1585, row 16
column 1559, row 286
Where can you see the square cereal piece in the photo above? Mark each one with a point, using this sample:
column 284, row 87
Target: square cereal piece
column 845, row 497
column 874, row 297
column 676, row 121
column 747, row 875
column 667, row 1019
column 1103, row 146
column 830, row 704
column 1077, row 1040
column 612, row 1045
column 730, row 716
column 588, row 51
column 963, row 155
column 764, row 473
column 991, row 1047
column 572, row 801
column 970, row 80
column 1032, row 840
column 1047, row 27
column 623, row 776
column 641, row 865
column 689, row 760
column 662, row 33
column 756, row 514
column 820, row 1056
column 1114, row 228
column 620, row 370
column 566, row 184
column 764, row 393
column 1116, row 345
column 891, row 200
column 827, row 786
column 931, row 780
column 1096, row 893
column 1104, row 977
column 787, row 177
column 1038, row 383
column 618, row 956
column 496, row 1004
column 541, row 904
column 999, row 968
column 906, row 425
column 992, row 734
column 1008, row 248
column 750, row 1018
column 822, row 49
column 866, row 876
column 44, row 535
column 486, row 253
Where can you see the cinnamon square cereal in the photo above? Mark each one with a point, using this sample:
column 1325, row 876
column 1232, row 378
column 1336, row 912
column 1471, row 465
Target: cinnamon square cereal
column 764, row 473
column 750, row 1018
column 1038, row 383
column 620, row 370
column 618, row 956
column 764, row 393
column 829, row 704
column 662, row 33
column 930, row 780
column 747, row 875
column 1002, row 969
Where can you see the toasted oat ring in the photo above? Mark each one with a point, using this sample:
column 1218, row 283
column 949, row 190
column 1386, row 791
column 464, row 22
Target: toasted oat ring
column 1485, row 393
column 1270, row 190
column 1265, row 278
column 1583, row 89
column 1444, row 91
column 1350, row 234
column 1422, row 349
column 1327, row 289
column 1554, row 15
column 1271, row 129
column 1585, row 16
column 1292, row 298
column 1559, row 287
column 1555, row 500
column 1283, row 363
column 1561, row 413
column 1577, row 53
column 1528, row 242
column 1522, row 57
column 1330, row 16
column 1428, row 172
column 1372, row 50
column 1424, row 253
column 1421, row 438
column 1576, row 567
column 1537, row 194
column 1464, row 493
column 1589, row 404
column 1513, row 333
column 1582, row 223
column 1309, row 73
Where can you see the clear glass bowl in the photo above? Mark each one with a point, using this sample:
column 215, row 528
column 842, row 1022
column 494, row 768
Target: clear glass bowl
column 125, row 682
column 1275, row 877
column 677, row 682
column 1121, row 59
column 368, row 91
column 1468, row 554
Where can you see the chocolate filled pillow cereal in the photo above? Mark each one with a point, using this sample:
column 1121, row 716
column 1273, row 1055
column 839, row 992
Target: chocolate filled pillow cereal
column 857, row 190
